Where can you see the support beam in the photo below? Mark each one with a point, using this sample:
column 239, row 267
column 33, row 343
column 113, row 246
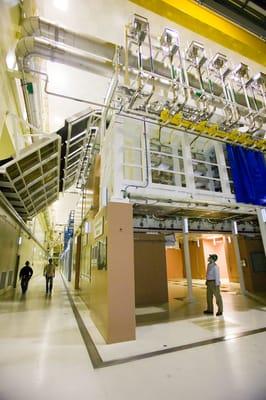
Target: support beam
column 77, row 261
column 238, row 257
column 120, row 273
column 187, row 259
column 261, row 212
column 204, row 22
column 112, row 288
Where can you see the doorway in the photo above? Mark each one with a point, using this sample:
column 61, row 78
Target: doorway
column 200, row 246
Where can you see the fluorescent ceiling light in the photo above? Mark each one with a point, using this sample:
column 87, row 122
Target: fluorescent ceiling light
column 87, row 227
column 61, row 4
column 11, row 59
column 185, row 225
column 243, row 129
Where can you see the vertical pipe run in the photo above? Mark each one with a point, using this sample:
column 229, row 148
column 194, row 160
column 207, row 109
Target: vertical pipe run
column 187, row 259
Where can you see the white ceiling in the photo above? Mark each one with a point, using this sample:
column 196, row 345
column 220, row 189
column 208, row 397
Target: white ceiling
column 61, row 208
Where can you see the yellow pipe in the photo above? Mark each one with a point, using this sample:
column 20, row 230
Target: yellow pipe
column 199, row 19
column 212, row 130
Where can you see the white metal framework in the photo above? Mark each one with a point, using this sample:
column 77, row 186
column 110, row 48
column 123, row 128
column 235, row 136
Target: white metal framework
column 80, row 142
column 156, row 167
column 187, row 89
column 30, row 182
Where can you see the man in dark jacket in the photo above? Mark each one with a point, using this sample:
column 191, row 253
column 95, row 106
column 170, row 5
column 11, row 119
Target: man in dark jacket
column 25, row 274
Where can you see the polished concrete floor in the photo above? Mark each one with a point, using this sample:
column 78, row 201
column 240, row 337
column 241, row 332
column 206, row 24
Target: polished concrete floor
column 179, row 352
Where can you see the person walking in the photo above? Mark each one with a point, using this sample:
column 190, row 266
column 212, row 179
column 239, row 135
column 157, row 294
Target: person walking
column 25, row 274
column 213, row 286
column 49, row 273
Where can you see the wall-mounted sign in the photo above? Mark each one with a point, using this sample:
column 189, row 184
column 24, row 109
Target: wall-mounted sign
column 98, row 227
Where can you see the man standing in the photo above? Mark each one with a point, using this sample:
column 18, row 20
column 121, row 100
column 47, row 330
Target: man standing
column 49, row 273
column 213, row 286
column 25, row 274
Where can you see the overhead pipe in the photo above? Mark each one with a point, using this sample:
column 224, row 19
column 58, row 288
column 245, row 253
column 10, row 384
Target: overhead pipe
column 36, row 26
column 93, row 55
column 133, row 115
column 107, row 106
column 28, row 47
column 39, row 47
column 164, row 198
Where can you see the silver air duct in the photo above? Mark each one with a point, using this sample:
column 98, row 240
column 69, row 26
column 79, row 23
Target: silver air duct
column 39, row 47
column 36, row 26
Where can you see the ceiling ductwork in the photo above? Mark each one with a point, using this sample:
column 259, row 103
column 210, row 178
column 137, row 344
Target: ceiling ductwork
column 160, row 81
column 40, row 47
column 36, row 26
column 63, row 46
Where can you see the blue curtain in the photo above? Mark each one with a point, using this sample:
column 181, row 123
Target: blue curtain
column 248, row 169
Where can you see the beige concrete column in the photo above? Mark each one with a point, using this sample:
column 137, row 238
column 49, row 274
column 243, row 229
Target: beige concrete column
column 112, row 290
column 187, row 260
column 120, row 269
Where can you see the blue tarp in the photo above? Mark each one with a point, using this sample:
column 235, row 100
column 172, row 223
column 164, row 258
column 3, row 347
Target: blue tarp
column 249, row 174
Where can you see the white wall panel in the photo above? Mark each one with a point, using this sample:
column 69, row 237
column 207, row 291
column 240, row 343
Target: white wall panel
column 10, row 233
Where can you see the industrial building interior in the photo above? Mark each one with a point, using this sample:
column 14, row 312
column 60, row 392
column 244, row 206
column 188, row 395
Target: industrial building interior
column 132, row 146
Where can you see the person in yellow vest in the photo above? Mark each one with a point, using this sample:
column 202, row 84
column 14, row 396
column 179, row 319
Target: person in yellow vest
column 49, row 273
